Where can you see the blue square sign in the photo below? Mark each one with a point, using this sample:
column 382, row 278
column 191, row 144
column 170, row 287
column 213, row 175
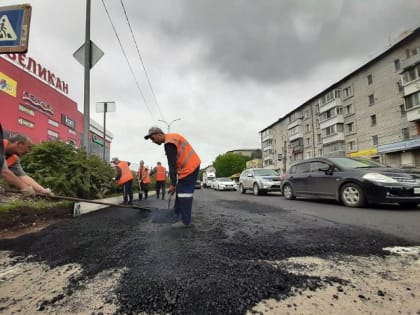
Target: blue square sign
column 14, row 28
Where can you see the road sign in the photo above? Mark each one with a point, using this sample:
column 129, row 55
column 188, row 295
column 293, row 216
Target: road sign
column 96, row 54
column 14, row 28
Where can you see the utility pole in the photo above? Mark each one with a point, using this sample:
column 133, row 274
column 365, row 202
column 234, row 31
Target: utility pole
column 86, row 107
column 170, row 123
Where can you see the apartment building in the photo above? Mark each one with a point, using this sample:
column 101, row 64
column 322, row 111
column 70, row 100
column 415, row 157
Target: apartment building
column 373, row 112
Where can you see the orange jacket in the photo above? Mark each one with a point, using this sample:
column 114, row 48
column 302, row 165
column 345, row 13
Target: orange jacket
column 186, row 158
column 126, row 174
column 11, row 159
column 160, row 175
column 146, row 177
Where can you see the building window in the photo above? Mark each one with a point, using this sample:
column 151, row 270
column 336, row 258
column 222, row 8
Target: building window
column 373, row 120
column 402, row 110
column 405, row 133
column 400, row 87
column 306, row 114
column 412, row 100
column 279, row 156
column 307, row 128
column 371, row 99
column 347, row 92
column 375, row 140
column 348, row 109
column 370, row 79
column 308, row 141
column 397, row 64
column 351, row 146
column 350, row 127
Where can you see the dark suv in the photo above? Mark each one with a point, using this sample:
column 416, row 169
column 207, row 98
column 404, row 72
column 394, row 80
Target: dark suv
column 353, row 181
column 259, row 180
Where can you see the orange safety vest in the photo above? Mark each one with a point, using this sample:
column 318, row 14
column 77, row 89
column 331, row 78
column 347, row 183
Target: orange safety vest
column 140, row 172
column 160, row 173
column 146, row 177
column 187, row 160
column 126, row 174
column 11, row 159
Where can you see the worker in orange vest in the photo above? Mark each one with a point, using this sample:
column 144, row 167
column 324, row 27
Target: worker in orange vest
column 160, row 177
column 139, row 176
column 124, row 178
column 184, row 165
column 145, row 179
column 13, row 149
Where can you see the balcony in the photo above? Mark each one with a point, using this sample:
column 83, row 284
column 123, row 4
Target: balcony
column 413, row 114
column 409, row 62
column 331, row 104
column 295, row 136
column 296, row 122
column 338, row 136
column 412, row 87
column 337, row 119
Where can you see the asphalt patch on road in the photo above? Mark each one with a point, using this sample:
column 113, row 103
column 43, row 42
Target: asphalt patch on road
column 219, row 266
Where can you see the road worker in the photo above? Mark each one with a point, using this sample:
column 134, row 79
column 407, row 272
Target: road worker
column 160, row 177
column 184, row 165
column 124, row 178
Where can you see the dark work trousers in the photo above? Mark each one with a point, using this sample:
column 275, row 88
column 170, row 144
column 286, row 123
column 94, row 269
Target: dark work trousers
column 160, row 187
column 145, row 189
column 128, row 192
column 184, row 196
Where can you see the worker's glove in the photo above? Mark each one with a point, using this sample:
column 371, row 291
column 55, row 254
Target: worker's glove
column 28, row 192
column 113, row 178
column 171, row 189
column 47, row 192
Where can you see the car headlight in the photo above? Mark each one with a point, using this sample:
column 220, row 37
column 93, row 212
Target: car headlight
column 376, row 177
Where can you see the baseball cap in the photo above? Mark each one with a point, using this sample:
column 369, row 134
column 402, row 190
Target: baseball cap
column 152, row 131
column 114, row 159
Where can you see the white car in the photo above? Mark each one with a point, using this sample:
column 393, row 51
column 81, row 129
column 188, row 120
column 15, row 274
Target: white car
column 224, row 183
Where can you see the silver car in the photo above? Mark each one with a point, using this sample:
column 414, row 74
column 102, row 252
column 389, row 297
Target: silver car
column 259, row 180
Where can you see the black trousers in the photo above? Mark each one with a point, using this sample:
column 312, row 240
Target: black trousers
column 128, row 192
column 144, row 190
column 160, row 186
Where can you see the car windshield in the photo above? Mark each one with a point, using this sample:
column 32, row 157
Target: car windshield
column 265, row 172
column 356, row 163
column 224, row 179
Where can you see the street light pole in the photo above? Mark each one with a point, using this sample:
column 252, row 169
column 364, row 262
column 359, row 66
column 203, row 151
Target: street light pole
column 170, row 123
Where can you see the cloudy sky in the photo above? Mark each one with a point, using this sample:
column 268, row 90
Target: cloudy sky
column 226, row 68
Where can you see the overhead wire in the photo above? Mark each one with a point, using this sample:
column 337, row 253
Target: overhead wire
column 128, row 62
column 141, row 59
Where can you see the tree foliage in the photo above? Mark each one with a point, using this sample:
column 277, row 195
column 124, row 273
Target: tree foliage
column 230, row 163
column 68, row 171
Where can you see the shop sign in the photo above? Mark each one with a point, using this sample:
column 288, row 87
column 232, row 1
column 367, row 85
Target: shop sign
column 37, row 104
column 7, row 84
column 399, row 146
column 97, row 140
column 72, row 132
column 25, row 122
column 26, row 110
column 52, row 133
column 66, row 120
column 368, row 152
column 53, row 123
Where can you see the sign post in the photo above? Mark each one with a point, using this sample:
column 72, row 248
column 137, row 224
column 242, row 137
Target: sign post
column 14, row 28
column 105, row 107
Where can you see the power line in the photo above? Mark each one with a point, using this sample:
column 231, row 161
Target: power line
column 141, row 59
column 126, row 58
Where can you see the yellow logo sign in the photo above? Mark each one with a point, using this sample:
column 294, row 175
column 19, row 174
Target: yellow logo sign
column 7, row 84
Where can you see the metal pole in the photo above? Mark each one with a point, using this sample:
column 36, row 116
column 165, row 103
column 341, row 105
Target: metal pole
column 105, row 109
column 169, row 124
column 86, row 108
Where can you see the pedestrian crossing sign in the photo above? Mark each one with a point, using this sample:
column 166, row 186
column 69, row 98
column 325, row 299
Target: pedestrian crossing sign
column 14, row 28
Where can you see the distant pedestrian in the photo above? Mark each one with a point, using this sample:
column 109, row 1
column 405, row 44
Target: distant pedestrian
column 160, row 177
column 139, row 179
column 184, row 165
column 124, row 178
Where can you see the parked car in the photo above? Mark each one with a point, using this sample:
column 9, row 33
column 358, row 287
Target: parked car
column 355, row 182
column 259, row 180
column 224, row 183
column 198, row 184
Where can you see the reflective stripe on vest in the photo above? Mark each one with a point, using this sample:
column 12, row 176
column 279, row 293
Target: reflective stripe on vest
column 185, row 195
column 187, row 159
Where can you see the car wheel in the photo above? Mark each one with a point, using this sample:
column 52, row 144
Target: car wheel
column 352, row 196
column 288, row 192
column 256, row 189
column 242, row 189
column 408, row 205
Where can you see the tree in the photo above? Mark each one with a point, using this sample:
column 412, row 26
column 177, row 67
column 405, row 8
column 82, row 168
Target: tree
column 229, row 164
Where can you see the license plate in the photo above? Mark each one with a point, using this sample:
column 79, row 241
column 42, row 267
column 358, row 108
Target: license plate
column 417, row 190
